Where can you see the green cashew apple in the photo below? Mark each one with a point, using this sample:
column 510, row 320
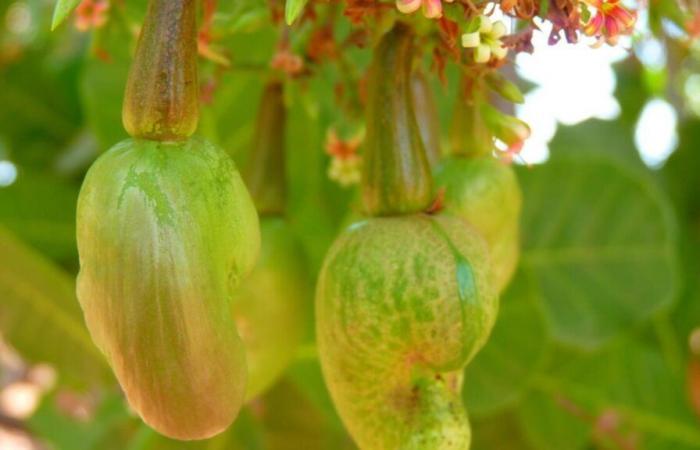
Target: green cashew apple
column 166, row 231
column 404, row 299
column 485, row 192
column 403, row 303
column 270, row 308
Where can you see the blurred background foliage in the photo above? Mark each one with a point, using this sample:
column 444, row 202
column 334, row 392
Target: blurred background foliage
column 593, row 347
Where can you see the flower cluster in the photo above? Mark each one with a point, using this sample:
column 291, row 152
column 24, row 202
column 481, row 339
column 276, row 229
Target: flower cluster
column 606, row 20
column 432, row 9
column 288, row 62
column 345, row 162
column 610, row 21
column 91, row 14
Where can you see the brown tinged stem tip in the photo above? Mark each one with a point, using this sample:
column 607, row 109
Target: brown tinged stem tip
column 265, row 172
column 161, row 102
column 396, row 177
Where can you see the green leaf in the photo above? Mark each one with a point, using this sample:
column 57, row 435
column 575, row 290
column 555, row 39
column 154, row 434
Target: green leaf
column 456, row 14
column 599, row 238
column 104, row 430
column 305, row 376
column 41, row 210
column 284, row 418
column 316, row 203
column 549, row 422
column 102, row 86
column 293, row 9
column 627, row 381
column 244, row 434
column 599, row 137
column 686, row 314
column 502, row 371
column 470, row 26
column 501, row 431
column 293, row 421
column 40, row 316
column 243, row 16
column 39, row 114
column 585, row 13
column 62, row 10
column 680, row 170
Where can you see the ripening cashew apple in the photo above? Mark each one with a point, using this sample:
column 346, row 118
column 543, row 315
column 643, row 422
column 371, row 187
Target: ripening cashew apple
column 271, row 307
column 404, row 299
column 166, row 231
column 482, row 190
column 485, row 192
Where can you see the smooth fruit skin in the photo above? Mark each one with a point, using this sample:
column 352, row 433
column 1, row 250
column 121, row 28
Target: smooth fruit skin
column 272, row 306
column 485, row 192
column 403, row 304
column 165, row 232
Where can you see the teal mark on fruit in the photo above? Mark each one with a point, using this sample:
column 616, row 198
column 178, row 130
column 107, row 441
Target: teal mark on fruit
column 466, row 285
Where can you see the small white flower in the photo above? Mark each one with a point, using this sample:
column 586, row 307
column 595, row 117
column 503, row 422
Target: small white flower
column 486, row 40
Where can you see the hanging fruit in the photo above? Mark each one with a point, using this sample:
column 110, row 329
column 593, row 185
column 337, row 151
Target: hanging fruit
column 404, row 299
column 166, row 231
column 480, row 188
column 271, row 308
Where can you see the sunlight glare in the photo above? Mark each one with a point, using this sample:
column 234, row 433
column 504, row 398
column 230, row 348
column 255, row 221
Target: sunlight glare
column 655, row 135
column 8, row 173
column 574, row 82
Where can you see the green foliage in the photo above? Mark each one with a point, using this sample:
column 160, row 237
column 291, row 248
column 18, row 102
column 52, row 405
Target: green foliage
column 102, row 91
column 40, row 209
column 548, row 424
column 633, row 385
column 40, row 317
column 515, row 353
column 589, row 242
column 111, row 426
column 62, row 9
column 292, row 10
column 272, row 306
